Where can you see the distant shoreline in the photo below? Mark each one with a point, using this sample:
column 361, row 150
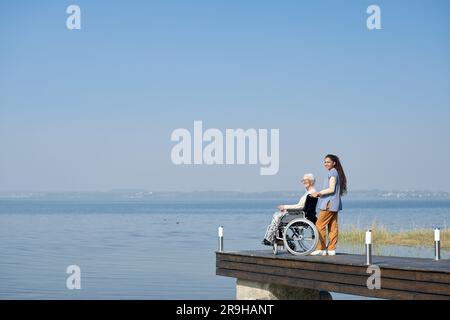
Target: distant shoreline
column 214, row 195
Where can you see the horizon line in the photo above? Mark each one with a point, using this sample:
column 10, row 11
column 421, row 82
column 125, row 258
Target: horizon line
column 204, row 191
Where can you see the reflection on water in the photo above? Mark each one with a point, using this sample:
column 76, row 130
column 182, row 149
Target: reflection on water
column 157, row 250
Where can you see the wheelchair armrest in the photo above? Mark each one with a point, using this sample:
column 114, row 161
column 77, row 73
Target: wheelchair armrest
column 295, row 211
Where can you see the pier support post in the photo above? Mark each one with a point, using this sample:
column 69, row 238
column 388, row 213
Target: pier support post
column 254, row 290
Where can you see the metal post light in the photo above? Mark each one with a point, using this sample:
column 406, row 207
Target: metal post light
column 368, row 247
column 220, row 238
column 437, row 244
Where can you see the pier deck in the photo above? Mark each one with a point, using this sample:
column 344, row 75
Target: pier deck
column 401, row 278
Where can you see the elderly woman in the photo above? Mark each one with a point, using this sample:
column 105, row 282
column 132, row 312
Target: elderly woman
column 308, row 182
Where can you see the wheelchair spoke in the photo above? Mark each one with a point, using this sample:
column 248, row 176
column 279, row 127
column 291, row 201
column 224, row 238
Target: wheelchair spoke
column 300, row 236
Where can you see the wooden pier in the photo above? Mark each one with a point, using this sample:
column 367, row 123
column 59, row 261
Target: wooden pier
column 401, row 278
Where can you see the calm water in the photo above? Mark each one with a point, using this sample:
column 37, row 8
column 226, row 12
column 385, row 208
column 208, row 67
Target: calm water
column 157, row 249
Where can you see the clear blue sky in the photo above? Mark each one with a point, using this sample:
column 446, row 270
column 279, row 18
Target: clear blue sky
column 93, row 109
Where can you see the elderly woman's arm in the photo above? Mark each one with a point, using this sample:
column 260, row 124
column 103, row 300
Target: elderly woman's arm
column 301, row 202
column 299, row 205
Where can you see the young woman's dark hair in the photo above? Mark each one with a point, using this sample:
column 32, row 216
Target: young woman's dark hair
column 340, row 170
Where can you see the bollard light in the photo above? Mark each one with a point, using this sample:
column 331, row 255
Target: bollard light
column 220, row 231
column 437, row 244
column 368, row 247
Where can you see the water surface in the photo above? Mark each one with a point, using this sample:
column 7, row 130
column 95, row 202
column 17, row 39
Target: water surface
column 159, row 249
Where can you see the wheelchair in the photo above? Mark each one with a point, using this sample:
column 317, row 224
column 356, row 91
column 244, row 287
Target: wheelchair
column 297, row 231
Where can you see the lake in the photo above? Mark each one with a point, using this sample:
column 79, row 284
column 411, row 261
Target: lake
column 160, row 249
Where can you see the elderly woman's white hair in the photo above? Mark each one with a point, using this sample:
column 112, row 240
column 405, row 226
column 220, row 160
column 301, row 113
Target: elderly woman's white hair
column 310, row 177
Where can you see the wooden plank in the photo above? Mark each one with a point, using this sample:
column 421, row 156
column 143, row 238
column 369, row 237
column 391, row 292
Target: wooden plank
column 402, row 278
column 334, row 287
column 403, row 263
column 337, row 277
column 411, row 275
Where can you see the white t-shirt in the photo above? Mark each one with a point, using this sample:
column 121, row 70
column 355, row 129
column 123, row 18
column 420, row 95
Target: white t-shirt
column 301, row 202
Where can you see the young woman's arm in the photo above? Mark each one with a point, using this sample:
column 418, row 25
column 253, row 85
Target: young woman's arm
column 331, row 188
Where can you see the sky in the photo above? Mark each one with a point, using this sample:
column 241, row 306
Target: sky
column 94, row 109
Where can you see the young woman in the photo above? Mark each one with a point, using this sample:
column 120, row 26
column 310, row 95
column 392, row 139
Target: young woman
column 308, row 182
column 330, row 205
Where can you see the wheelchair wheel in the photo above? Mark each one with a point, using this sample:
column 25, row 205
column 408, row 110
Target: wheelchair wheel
column 300, row 236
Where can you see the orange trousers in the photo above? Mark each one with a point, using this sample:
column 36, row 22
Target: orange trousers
column 330, row 219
